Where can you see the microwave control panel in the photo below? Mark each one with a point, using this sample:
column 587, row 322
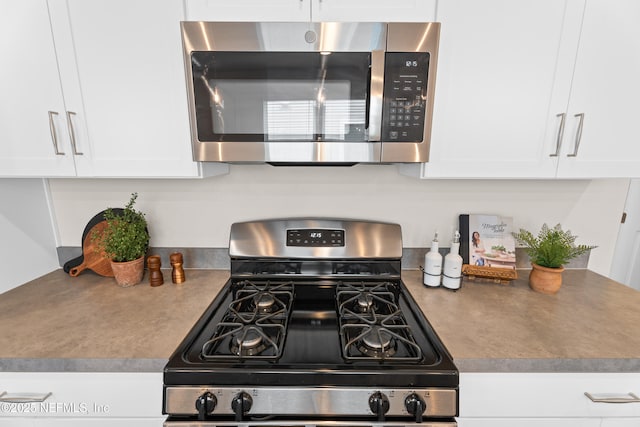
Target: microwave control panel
column 405, row 96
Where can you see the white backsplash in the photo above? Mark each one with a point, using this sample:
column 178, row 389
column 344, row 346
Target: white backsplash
column 198, row 213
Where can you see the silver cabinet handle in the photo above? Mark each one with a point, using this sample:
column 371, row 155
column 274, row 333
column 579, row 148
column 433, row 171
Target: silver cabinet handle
column 72, row 134
column 627, row 398
column 24, row 397
column 560, row 134
column 578, row 135
column 54, row 137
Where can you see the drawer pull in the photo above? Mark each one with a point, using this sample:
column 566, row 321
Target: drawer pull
column 24, row 397
column 601, row 398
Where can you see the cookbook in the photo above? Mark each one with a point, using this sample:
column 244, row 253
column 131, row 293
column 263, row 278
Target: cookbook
column 486, row 241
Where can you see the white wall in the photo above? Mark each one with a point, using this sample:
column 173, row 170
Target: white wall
column 27, row 242
column 198, row 213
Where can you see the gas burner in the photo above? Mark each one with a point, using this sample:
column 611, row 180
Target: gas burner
column 264, row 302
column 377, row 342
column 254, row 324
column 249, row 341
column 385, row 339
column 254, row 300
column 233, row 340
column 364, row 302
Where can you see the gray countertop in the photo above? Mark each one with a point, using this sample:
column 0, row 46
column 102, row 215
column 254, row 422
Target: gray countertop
column 88, row 323
column 590, row 325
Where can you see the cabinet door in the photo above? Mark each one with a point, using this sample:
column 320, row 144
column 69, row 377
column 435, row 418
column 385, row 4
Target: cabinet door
column 546, row 395
column 373, row 10
column 503, row 73
column 85, row 395
column 248, row 10
column 312, row 10
column 528, row 422
column 606, row 89
column 127, row 86
column 621, row 422
column 30, row 88
column 84, row 422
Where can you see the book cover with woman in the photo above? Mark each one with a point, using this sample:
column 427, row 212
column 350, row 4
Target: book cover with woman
column 489, row 241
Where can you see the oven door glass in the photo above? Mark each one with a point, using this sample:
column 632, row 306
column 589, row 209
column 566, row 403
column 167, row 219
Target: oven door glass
column 281, row 96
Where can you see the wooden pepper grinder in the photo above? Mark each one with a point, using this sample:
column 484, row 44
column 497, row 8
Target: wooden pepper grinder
column 177, row 275
column 155, row 275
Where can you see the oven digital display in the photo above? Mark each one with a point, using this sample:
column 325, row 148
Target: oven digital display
column 315, row 237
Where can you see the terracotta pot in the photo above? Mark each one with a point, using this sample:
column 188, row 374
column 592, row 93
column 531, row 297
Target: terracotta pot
column 128, row 273
column 544, row 279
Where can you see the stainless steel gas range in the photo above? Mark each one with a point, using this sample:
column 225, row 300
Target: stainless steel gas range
column 314, row 328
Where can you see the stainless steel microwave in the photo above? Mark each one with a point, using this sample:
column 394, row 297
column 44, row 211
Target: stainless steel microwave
column 310, row 93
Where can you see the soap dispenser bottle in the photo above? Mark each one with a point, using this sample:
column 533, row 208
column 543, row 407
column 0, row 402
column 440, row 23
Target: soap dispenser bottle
column 432, row 264
column 452, row 272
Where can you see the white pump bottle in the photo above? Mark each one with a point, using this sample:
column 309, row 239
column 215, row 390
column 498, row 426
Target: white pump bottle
column 452, row 271
column 432, row 264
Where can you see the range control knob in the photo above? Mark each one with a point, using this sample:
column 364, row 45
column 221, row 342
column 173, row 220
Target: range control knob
column 415, row 406
column 379, row 404
column 241, row 404
column 205, row 405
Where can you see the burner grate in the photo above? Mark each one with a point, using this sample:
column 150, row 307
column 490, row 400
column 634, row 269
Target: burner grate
column 372, row 326
column 255, row 323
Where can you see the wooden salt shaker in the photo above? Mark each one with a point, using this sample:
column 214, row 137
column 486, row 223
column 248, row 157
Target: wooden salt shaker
column 155, row 275
column 177, row 275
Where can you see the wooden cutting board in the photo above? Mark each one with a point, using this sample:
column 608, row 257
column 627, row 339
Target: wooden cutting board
column 90, row 258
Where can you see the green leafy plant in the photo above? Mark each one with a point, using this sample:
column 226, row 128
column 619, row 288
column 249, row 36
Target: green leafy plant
column 125, row 237
column 553, row 247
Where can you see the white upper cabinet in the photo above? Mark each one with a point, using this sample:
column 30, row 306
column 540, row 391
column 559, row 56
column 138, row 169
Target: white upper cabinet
column 102, row 79
column 32, row 110
column 606, row 90
column 122, row 74
column 248, row 10
column 311, row 10
column 373, row 10
column 516, row 79
column 495, row 94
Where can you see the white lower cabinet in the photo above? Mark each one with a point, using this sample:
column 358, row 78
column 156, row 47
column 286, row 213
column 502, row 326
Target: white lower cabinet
column 95, row 399
column 547, row 399
column 77, row 422
column 528, row 422
column 626, row 422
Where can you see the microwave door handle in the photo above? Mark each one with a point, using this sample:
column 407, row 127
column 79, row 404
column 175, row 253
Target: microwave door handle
column 376, row 95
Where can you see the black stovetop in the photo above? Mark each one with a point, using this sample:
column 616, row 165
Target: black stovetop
column 309, row 347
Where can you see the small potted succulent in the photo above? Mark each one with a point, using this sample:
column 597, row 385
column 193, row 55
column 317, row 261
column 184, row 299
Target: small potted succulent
column 124, row 241
column 549, row 252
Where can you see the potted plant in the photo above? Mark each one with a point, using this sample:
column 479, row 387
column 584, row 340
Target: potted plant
column 549, row 252
column 124, row 241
